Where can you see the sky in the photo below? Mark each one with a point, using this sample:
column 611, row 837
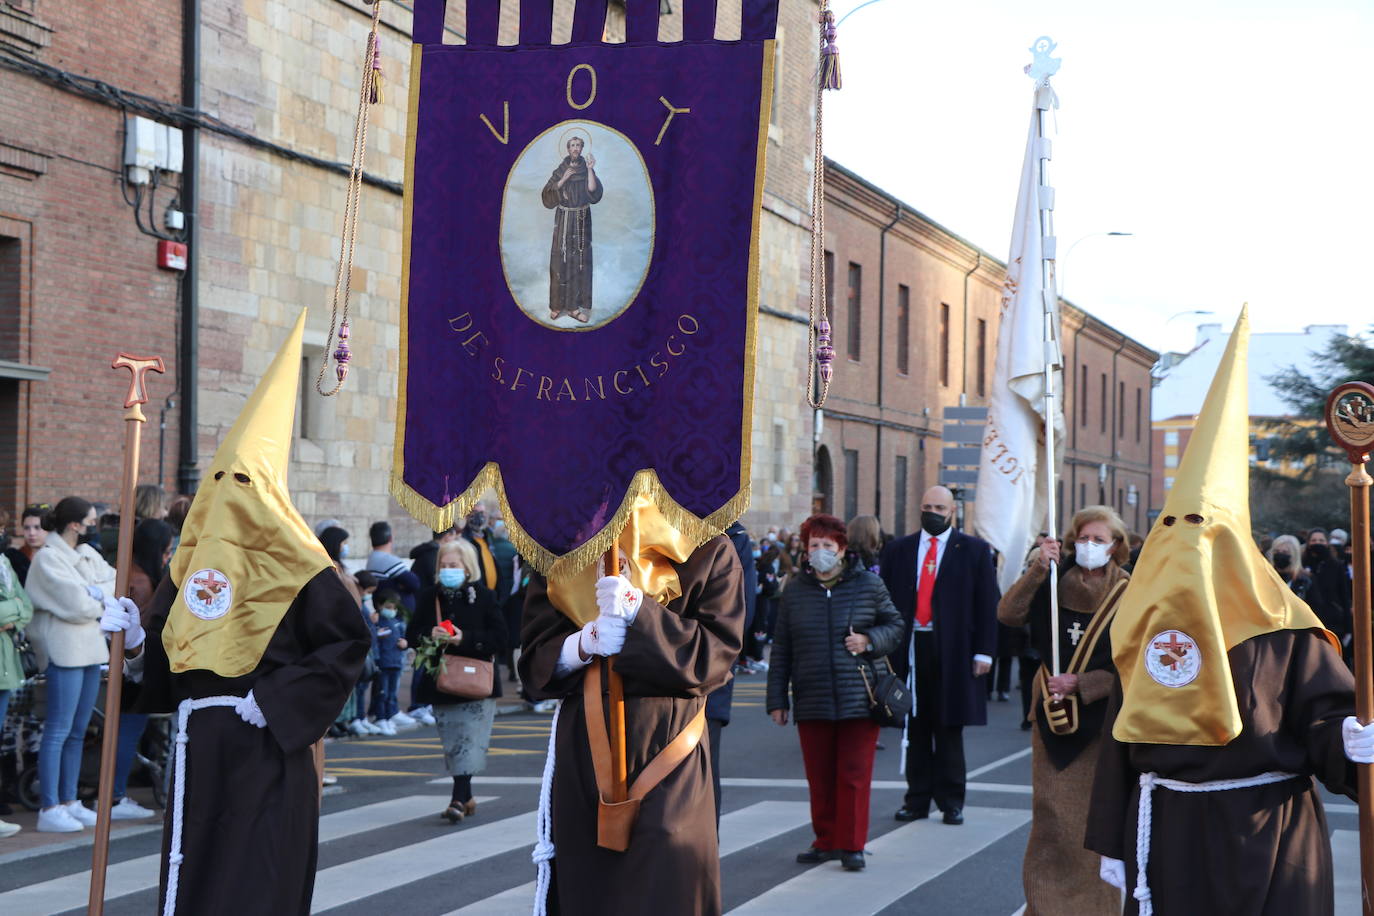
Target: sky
column 1232, row 138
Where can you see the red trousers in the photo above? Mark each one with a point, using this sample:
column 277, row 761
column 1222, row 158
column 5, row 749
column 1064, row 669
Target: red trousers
column 839, row 773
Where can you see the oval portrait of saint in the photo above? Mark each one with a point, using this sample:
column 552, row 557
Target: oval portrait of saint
column 577, row 226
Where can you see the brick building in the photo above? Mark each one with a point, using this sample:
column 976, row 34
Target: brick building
column 78, row 279
column 915, row 311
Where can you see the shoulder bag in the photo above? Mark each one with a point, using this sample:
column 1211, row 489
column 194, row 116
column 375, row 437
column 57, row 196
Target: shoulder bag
column 460, row 676
column 889, row 699
column 1062, row 715
column 28, row 658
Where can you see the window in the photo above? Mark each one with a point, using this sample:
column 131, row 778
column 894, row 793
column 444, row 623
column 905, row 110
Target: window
column 1120, row 501
column 899, row 497
column 13, row 421
column 982, row 358
column 903, row 330
column 1121, row 410
column 1171, row 461
column 1137, row 415
column 774, row 125
column 1103, row 425
column 1171, row 437
column 944, row 345
column 779, row 451
column 1083, row 397
column 830, row 285
column 1168, row 483
column 1082, row 495
column 851, row 482
column 856, row 277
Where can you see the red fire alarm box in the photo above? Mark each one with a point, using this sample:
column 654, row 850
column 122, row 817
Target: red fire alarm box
column 171, row 255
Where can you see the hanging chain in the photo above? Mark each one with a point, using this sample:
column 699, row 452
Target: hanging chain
column 820, row 352
column 368, row 93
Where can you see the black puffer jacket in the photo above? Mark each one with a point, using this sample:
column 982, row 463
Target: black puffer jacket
column 808, row 643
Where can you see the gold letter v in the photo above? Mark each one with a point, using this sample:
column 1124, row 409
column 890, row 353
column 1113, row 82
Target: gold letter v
column 503, row 137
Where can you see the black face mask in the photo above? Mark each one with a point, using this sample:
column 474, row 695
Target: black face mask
column 91, row 535
column 934, row 523
column 1314, row 555
column 1281, row 560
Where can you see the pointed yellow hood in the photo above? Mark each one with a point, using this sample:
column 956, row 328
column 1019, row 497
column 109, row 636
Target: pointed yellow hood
column 245, row 551
column 1201, row 586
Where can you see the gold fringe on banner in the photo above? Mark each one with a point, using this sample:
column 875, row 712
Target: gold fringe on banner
column 695, row 529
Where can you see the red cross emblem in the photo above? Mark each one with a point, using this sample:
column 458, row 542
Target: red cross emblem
column 1173, row 650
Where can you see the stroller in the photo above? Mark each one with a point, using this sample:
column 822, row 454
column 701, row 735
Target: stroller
column 22, row 733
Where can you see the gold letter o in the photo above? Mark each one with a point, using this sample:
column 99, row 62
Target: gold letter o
column 591, row 98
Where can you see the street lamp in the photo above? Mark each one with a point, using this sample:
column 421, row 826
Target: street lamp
column 1064, row 260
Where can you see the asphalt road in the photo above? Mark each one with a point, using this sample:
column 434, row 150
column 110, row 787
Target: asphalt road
column 384, row 848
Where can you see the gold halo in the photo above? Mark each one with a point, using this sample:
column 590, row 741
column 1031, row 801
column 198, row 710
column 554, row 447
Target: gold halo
column 579, row 131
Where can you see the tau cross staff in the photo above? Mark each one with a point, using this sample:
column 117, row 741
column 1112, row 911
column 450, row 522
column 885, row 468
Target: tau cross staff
column 1350, row 420
column 134, row 419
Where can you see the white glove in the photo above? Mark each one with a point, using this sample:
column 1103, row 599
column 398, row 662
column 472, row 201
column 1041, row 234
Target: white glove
column 95, row 593
column 616, row 597
column 1359, row 740
column 123, row 615
column 603, row 636
column 1113, row 871
column 250, row 712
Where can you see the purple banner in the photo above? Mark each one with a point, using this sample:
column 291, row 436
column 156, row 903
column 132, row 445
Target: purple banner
column 581, row 282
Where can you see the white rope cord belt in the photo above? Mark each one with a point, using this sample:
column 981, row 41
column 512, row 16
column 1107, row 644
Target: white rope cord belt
column 1148, row 783
column 184, row 710
column 543, row 848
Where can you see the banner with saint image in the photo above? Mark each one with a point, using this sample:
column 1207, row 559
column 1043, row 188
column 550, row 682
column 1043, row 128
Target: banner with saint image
column 581, row 273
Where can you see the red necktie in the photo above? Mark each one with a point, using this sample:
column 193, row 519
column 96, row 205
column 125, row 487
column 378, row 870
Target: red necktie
column 925, row 588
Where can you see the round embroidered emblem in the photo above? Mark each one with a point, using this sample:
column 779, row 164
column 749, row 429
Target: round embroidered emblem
column 1172, row 658
column 208, row 594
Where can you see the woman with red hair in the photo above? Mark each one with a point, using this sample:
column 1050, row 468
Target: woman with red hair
column 835, row 618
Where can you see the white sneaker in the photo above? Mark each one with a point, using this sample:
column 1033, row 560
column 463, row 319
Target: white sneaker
column 359, row 728
column 57, row 820
column 129, row 810
column 546, row 706
column 79, row 811
column 424, row 715
column 374, row 727
column 386, row 727
column 8, row 829
column 401, row 720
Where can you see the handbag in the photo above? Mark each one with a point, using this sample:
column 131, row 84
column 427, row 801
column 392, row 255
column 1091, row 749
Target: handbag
column 28, row 658
column 889, row 700
column 460, row 676
column 1062, row 715
column 467, row 678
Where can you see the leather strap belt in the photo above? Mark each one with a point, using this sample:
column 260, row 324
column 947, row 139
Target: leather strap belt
column 615, row 820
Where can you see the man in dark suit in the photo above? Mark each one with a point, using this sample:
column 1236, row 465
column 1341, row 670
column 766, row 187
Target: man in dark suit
column 944, row 584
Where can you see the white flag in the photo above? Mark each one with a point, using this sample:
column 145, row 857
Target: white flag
column 1012, row 492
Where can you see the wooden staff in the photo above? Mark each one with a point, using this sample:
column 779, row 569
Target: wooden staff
column 1350, row 420
column 620, row 789
column 133, row 429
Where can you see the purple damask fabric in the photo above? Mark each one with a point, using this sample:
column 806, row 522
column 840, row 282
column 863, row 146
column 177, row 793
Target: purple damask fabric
column 574, row 358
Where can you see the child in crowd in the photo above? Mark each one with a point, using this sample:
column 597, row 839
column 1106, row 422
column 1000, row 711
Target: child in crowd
column 390, row 649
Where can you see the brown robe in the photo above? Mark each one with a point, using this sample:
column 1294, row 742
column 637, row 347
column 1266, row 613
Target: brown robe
column 673, row 657
column 251, row 821
column 1247, row 852
column 570, row 254
column 1060, row 876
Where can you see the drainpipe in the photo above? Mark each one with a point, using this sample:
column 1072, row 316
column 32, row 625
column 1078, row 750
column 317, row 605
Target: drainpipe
column 188, row 360
column 882, row 294
column 963, row 359
column 1118, row 406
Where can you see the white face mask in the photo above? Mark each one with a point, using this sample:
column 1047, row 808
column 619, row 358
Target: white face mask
column 823, row 559
column 1091, row 555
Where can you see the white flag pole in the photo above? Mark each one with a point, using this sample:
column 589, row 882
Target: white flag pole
column 1041, row 69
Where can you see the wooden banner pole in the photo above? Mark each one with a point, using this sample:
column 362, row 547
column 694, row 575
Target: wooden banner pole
column 620, row 789
column 133, row 429
column 1350, row 420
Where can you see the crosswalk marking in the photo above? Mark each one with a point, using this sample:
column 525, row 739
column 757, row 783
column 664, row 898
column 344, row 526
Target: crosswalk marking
column 140, row 874
column 738, row 830
column 899, row 862
column 1345, row 858
column 378, row 873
